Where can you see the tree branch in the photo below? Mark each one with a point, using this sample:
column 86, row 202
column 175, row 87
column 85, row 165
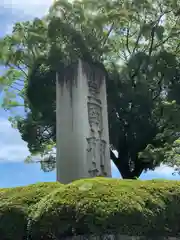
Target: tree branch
column 18, row 84
column 138, row 38
column 165, row 40
column 46, row 161
column 17, row 66
column 160, row 89
column 14, row 88
column 108, row 34
column 127, row 41
column 151, row 41
column 22, row 70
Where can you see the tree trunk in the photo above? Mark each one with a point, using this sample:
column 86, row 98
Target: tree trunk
column 122, row 163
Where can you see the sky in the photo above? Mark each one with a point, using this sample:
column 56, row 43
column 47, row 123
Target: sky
column 13, row 150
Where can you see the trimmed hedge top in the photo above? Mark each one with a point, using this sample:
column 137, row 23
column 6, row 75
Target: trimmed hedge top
column 90, row 206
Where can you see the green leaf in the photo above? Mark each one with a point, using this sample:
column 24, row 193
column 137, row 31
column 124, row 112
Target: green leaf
column 159, row 32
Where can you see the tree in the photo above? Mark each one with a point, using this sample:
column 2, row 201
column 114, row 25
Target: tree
column 135, row 42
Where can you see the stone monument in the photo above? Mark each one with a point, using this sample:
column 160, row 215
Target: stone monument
column 82, row 124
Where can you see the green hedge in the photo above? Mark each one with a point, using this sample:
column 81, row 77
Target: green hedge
column 16, row 206
column 90, row 206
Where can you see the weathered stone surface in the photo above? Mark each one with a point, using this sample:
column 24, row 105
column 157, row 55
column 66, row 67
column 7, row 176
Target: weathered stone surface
column 82, row 125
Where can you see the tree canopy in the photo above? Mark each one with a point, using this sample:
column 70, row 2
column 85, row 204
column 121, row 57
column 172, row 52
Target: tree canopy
column 137, row 44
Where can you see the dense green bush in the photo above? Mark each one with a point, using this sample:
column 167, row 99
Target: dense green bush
column 99, row 205
column 16, row 205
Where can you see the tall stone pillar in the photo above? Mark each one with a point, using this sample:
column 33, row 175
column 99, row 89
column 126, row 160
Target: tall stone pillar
column 82, row 124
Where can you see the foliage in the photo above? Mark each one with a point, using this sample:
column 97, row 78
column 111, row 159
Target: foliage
column 135, row 42
column 90, row 206
column 16, row 204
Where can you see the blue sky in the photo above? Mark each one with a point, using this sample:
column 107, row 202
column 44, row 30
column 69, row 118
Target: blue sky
column 13, row 151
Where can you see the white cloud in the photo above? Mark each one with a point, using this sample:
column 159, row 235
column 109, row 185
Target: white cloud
column 12, row 147
column 32, row 7
column 163, row 170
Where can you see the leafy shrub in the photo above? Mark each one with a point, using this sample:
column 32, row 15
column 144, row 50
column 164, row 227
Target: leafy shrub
column 90, row 206
column 15, row 207
column 101, row 205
